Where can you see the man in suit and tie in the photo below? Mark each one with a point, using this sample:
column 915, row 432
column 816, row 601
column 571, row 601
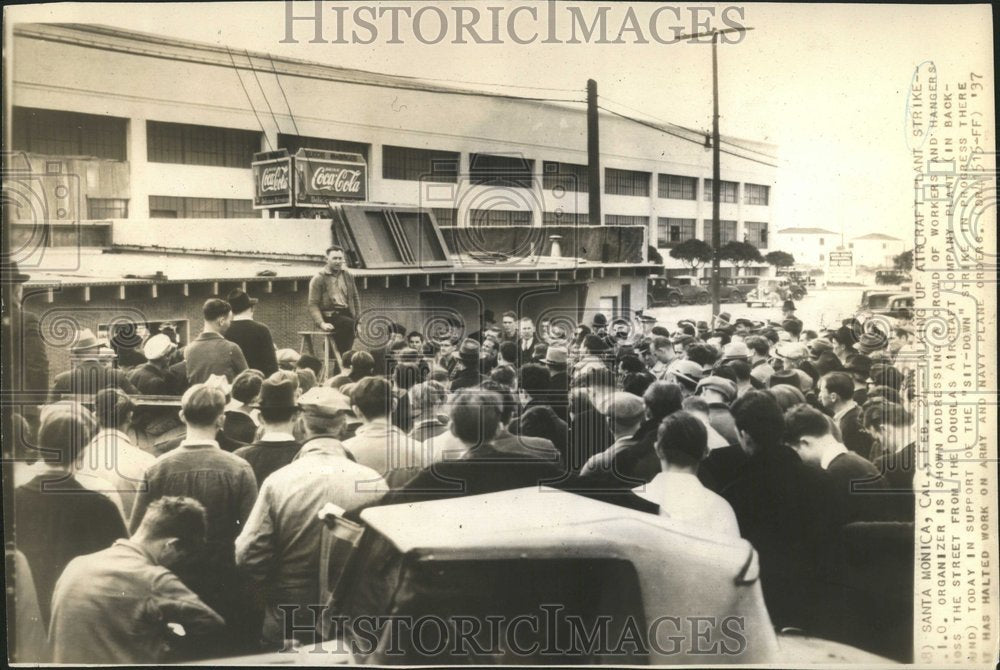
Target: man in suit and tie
column 526, row 341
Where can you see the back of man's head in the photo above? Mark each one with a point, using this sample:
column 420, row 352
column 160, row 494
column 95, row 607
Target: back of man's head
column 508, row 351
column 662, row 343
column 362, row 365
column 508, row 405
column 695, row 404
column 662, row 399
column 427, row 395
column 533, row 378
column 202, row 405
column 215, row 308
column 757, row 414
column 373, row 397
column 66, row 428
column 703, row 354
column 175, row 516
column 246, row 386
column 740, row 368
column 682, row 440
column 475, row 416
column 113, row 408
column 805, row 421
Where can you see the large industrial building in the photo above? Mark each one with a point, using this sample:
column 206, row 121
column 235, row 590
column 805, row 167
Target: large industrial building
column 142, row 146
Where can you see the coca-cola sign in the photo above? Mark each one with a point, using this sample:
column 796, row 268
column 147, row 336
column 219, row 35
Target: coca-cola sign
column 321, row 180
column 272, row 180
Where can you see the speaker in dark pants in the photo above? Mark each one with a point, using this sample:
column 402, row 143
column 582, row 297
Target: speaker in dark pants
column 343, row 329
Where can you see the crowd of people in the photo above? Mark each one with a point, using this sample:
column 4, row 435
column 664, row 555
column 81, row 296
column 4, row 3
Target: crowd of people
column 145, row 534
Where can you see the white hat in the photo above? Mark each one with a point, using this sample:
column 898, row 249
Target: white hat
column 158, row 346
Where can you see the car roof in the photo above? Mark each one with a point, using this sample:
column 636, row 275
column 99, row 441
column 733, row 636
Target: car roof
column 534, row 521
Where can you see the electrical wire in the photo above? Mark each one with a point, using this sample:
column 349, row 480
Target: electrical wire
column 692, row 130
column 278, row 79
column 488, row 83
column 693, row 141
column 262, row 92
column 247, row 94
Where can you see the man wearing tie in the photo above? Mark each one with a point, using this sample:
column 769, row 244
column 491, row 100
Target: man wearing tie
column 526, row 341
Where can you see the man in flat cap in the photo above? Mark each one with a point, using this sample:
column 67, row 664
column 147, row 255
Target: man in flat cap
column 279, row 547
column 718, row 392
column 624, row 412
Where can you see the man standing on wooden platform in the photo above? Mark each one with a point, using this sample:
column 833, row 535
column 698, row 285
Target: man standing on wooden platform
column 333, row 300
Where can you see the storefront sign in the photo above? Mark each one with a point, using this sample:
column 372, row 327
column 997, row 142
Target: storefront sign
column 272, row 179
column 320, row 179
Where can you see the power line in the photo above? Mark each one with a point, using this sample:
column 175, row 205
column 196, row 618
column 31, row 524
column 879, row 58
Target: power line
column 693, row 141
column 489, row 83
column 692, row 130
column 278, row 79
column 262, row 92
column 247, row 94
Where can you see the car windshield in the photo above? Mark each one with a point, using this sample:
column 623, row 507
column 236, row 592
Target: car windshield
column 878, row 301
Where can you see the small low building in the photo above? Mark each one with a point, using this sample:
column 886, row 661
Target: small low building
column 876, row 250
column 811, row 247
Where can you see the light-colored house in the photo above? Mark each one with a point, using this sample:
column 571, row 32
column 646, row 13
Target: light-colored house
column 809, row 246
column 876, row 249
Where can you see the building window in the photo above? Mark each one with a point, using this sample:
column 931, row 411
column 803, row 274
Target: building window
column 499, row 217
column 625, row 220
column 568, row 176
column 56, row 133
column 107, row 208
column 821, row 257
column 200, row 145
column 756, row 233
column 728, row 193
column 727, row 231
column 850, row 245
column 756, row 194
column 564, row 219
column 670, row 231
column 419, row 164
column 677, row 187
column 295, row 142
column 501, row 170
column 444, row 216
column 170, row 207
column 822, row 241
column 626, row 182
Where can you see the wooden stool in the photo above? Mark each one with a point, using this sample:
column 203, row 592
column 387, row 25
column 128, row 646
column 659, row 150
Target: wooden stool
column 329, row 346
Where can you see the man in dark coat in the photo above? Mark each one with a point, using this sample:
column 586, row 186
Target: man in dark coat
column 90, row 373
column 254, row 339
column 836, row 395
column 30, row 365
column 466, row 372
column 785, row 509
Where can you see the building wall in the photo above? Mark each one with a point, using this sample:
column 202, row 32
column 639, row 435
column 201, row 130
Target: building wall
column 809, row 249
column 285, row 310
column 876, row 253
column 54, row 74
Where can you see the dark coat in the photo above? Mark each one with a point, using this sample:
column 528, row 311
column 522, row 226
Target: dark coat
column 266, row 457
column 785, row 509
column 148, row 379
column 255, row 341
column 89, row 377
column 30, row 371
column 854, row 439
column 589, row 434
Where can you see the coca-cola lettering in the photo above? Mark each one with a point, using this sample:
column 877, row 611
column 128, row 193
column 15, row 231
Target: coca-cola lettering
column 274, row 179
column 337, row 180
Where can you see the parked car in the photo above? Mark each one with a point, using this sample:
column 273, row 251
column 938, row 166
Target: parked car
column 673, row 291
column 886, row 303
column 773, row 292
column 732, row 289
column 883, row 277
column 552, row 559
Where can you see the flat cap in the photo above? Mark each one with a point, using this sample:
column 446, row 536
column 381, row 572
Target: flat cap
column 720, row 384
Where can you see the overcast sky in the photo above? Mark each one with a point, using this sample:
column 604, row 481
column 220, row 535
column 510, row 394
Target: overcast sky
column 827, row 84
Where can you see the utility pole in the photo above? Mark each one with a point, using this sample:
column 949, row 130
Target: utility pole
column 716, row 178
column 593, row 156
column 716, row 168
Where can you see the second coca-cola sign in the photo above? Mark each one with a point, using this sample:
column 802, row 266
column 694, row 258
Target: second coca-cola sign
column 321, row 180
column 272, row 181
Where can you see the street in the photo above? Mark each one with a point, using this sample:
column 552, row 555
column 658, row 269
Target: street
column 821, row 308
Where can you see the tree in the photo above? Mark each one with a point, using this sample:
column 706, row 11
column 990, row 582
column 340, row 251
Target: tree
column 740, row 254
column 780, row 259
column 903, row 261
column 692, row 253
column 654, row 255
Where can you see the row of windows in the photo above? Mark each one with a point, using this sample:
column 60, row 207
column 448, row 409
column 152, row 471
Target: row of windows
column 56, row 133
column 671, row 231
column 170, row 207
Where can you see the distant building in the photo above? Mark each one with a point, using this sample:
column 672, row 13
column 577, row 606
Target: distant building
column 876, row 249
column 810, row 246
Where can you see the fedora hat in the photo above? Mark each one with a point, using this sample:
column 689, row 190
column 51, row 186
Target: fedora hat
column 556, row 356
column 468, row 352
column 85, row 342
column 240, row 301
